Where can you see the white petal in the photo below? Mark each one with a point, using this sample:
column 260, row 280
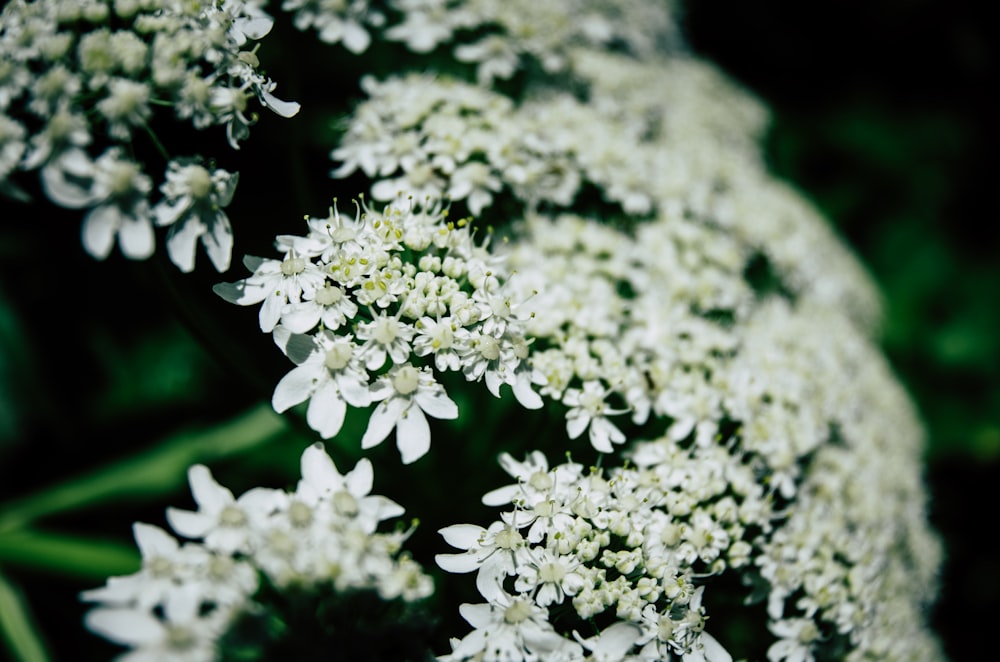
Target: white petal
column 241, row 292
column 208, row 494
column 169, row 212
column 295, row 387
column 270, row 312
column 462, row 536
column 501, row 495
column 254, row 28
column 283, row 108
column 413, row 435
column 524, row 393
column 99, row 228
column 190, row 524
column 457, row 563
column 714, row 652
column 382, row 421
column 301, row 317
column 326, row 410
column 319, row 471
column 356, row 38
column 219, row 242
column 153, row 541
column 135, row 236
column 125, row 626
column 438, row 405
column 575, row 425
column 182, row 241
column 476, row 615
column 360, row 479
column 61, row 190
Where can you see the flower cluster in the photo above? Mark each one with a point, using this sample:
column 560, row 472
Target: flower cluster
column 369, row 307
column 324, row 533
column 630, row 544
column 791, row 492
column 80, row 83
column 499, row 39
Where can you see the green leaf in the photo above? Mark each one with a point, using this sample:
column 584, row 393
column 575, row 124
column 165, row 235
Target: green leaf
column 156, row 471
column 20, row 635
column 68, row 555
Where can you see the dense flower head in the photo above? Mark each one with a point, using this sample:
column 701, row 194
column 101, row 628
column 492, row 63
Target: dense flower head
column 322, row 535
column 80, row 82
column 371, row 307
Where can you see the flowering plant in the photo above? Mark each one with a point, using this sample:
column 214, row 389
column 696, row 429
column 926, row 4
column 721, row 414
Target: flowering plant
column 563, row 263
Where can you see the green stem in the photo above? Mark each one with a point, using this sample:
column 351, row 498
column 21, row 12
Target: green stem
column 156, row 471
column 75, row 556
column 23, row 642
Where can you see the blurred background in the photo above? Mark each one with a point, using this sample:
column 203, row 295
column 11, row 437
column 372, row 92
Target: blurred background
column 882, row 115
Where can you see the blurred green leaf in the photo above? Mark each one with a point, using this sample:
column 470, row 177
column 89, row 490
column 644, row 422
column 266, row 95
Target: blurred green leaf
column 68, row 555
column 21, row 636
column 156, row 471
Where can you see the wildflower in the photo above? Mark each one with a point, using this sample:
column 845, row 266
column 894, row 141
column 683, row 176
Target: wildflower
column 405, row 394
column 192, row 206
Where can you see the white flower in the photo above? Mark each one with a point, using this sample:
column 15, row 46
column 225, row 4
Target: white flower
column 276, row 283
column 349, row 495
column 164, row 566
column 329, row 304
column 495, row 553
column 120, row 189
column 797, row 636
column 225, row 523
column 192, row 206
column 511, row 629
column 386, row 336
column 182, row 633
column 331, row 377
column 589, row 408
column 549, row 577
column 404, row 395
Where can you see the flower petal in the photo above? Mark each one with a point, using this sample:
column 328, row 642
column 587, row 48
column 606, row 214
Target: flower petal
column 326, row 410
column 295, row 387
column 125, row 626
column 99, row 227
column 413, row 435
column 382, row 421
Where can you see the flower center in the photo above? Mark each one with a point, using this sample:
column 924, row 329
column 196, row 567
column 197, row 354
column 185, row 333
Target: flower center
column 519, row 611
column 293, row 265
column 199, row 182
column 328, row 295
column 406, row 380
column 338, row 356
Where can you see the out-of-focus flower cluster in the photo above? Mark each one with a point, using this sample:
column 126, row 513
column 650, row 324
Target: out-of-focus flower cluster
column 324, row 534
column 80, row 84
